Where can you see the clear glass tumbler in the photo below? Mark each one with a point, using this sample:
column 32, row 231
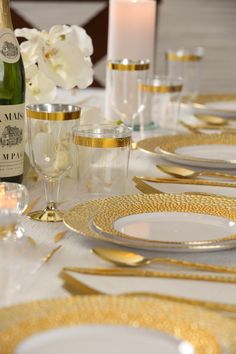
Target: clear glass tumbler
column 161, row 96
column 123, row 102
column 102, row 158
column 185, row 63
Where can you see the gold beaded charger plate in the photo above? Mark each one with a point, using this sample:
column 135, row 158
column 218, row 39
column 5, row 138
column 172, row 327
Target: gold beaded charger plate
column 204, row 331
column 201, row 150
column 206, row 215
column 216, row 104
column 167, row 219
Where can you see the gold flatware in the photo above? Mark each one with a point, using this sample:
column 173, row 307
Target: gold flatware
column 212, row 120
column 151, row 274
column 31, row 205
column 59, row 236
column 131, row 259
column 187, row 181
column 77, row 287
column 147, row 189
column 191, row 128
column 196, row 128
column 51, row 253
column 182, row 172
column 31, row 240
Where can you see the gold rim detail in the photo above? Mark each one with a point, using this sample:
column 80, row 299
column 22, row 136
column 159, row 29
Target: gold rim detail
column 184, row 57
column 168, row 144
column 87, row 211
column 202, row 100
column 122, row 206
column 205, row 330
column 102, row 142
column 161, row 89
column 128, row 67
column 53, row 115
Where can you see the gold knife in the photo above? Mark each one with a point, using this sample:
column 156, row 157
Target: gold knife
column 151, row 274
column 77, row 287
column 185, row 181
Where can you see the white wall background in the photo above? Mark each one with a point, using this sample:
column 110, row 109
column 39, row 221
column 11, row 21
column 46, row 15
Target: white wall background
column 208, row 23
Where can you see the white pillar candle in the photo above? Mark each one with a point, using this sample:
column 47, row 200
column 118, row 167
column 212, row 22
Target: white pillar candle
column 132, row 25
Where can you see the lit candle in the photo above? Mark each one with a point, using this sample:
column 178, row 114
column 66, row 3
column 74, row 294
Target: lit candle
column 7, row 200
column 132, row 26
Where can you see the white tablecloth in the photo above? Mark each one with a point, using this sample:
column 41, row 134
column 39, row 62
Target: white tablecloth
column 76, row 249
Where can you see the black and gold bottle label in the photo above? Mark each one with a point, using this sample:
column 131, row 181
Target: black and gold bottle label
column 11, row 140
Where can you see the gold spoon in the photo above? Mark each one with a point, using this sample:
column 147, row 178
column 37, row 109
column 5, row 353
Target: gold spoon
column 182, row 172
column 211, row 120
column 130, row 259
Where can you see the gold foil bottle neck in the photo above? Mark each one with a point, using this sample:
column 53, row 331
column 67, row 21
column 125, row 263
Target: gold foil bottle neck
column 5, row 14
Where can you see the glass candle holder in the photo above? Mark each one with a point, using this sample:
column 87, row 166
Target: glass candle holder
column 185, row 63
column 122, row 89
column 13, row 202
column 161, row 96
column 102, row 158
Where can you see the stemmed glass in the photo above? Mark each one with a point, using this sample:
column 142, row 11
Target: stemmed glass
column 50, row 129
column 122, row 89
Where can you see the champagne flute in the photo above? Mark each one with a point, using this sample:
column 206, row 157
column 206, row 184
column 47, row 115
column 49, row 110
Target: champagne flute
column 50, row 129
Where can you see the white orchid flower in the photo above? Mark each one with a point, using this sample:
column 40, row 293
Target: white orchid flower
column 28, row 33
column 62, row 57
column 66, row 65
column 31, row 51
column 39, row 88
column 78, row 36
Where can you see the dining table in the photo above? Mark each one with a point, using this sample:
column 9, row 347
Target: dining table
column 75, row 250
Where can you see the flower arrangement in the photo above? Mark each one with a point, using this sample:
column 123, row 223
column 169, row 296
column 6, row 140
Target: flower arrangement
column 58, row 57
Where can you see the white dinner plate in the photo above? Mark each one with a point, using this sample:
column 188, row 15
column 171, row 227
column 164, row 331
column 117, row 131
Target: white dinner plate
column 216, row 104
column 104, row 339
column 175, row 226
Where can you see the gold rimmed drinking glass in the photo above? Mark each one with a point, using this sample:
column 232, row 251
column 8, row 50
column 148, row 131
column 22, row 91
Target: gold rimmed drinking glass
column 161, row 98
column 102, row 152
column 185, row 63
column 122, row 89
column 51, row 150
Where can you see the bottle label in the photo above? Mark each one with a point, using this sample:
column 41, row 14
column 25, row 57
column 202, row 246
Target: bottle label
column 11, row 140
column 9, row 47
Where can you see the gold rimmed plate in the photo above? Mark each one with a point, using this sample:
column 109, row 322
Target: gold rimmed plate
column 167, row 220
column 217, row 104
column 201, row 150
column 199, row 330
column 87, row 219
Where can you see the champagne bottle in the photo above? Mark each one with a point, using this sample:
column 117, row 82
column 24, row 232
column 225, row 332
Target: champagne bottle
column 12, row 100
